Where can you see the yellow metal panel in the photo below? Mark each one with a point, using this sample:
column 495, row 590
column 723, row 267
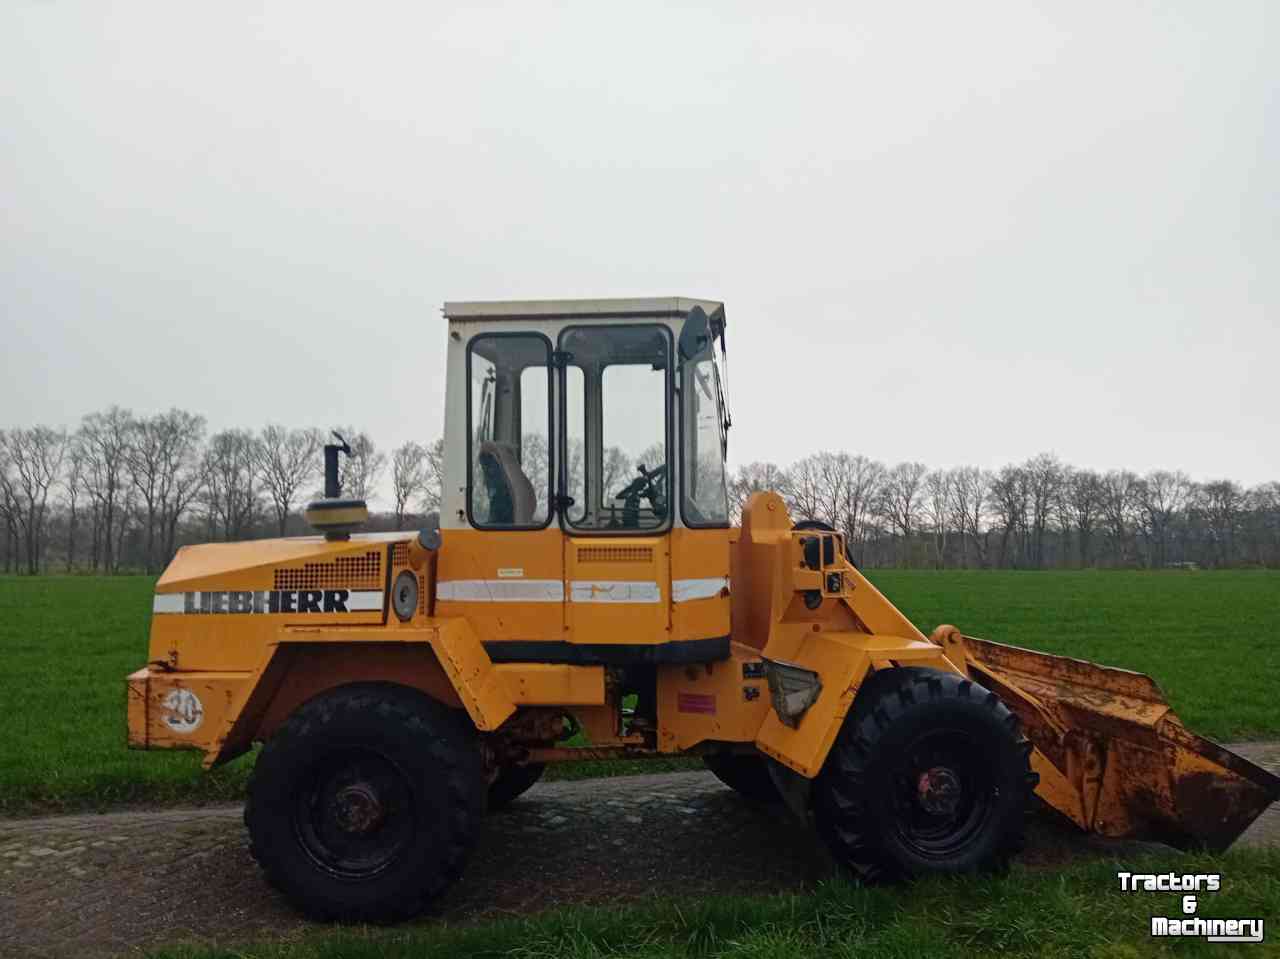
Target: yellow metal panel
column 234, row 640
column 626, row 599
column 181, row 710
column 841, row 660
column 700, row 554
column 544, row 684
column 477, row 681
column 840, row 664
column 481, row 687
column 136, row 707
column 470, row 555
column 710, row 701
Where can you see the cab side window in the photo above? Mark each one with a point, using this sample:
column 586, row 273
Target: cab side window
column 509, row 431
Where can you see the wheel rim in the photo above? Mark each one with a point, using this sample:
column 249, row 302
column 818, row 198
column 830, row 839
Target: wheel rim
column 943, row 794
column 355, row 815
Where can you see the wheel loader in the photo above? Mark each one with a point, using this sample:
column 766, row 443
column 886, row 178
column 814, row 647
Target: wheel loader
column 583, row 593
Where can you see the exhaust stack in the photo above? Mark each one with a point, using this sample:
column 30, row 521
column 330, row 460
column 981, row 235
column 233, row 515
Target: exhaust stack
column 333, row 515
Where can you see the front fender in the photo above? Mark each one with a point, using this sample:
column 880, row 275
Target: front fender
column 842, row 661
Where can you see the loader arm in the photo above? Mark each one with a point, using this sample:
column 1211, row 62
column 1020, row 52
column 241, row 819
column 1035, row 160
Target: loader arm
column 1110, row 754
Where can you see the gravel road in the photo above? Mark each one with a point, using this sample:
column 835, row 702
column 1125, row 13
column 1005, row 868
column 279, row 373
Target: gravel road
column 91, row 885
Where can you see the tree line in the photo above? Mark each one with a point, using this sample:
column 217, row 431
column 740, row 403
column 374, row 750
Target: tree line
column 123, row 492
column 1039, row 514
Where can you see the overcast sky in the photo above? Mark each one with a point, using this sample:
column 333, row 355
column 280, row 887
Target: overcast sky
column 959, row 233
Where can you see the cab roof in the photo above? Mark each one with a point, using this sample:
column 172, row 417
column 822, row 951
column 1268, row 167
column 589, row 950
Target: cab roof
column 551, row 309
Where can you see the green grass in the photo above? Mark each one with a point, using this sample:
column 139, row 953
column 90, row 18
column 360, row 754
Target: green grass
column 1208, row 638
column 66, row 645
column 1077, row 911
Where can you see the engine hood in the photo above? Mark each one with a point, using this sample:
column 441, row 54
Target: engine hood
column 263, row 563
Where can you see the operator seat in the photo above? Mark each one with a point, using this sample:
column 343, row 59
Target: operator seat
column 511, row 496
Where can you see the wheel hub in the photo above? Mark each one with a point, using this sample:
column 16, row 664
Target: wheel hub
column 357, row 810
column 938, row 791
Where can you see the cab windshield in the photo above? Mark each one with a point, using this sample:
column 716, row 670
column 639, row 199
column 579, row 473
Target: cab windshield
column 704, row 432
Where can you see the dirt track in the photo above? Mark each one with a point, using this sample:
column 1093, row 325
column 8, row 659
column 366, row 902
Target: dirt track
column 102, row 884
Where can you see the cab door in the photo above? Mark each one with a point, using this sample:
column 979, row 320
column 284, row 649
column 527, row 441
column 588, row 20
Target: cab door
column 615, row 483
column 505, row 571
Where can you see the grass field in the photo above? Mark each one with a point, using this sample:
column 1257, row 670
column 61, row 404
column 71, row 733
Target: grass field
column 1077, row 911
column 66, row 645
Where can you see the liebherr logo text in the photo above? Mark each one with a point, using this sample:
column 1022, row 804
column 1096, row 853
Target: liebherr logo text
column 1189, row 925
column 268, row 601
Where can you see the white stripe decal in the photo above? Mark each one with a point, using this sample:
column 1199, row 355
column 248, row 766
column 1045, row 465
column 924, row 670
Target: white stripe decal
column 501, row 591
column 365, row 600
column 580, row 590
column 683, row 590
column 604, row 591
column 167, row 603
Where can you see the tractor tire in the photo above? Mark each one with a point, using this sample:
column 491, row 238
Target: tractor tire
column 366, row 801
column 746, row 774
column 929, row 774
column 512, row 783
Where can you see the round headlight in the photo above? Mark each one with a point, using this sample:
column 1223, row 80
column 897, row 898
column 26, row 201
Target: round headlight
column 404, row 595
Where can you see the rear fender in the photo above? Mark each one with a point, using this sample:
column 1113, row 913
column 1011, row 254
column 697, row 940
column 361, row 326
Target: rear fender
column 446, row 661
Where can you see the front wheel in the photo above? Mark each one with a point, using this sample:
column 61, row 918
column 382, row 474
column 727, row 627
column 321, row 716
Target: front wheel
column 365, row 803
column 930, row 774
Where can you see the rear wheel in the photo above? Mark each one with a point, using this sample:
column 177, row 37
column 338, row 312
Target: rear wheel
column 746, row 773
column 365, row 803
column 513, row 782
column 930, row 774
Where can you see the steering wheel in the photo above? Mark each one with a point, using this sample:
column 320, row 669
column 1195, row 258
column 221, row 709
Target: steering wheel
column 646, row 485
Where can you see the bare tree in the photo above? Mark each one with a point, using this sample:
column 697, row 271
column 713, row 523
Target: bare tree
column 1010, row 499
column 1119, row 502
column 161, row 458
column 901, row 496
column 181, row 474
column 231, row 494
column 1161, row 495
column 1085, row 500
column 573, row 469
column 804, row 494
column 754, row 478
column 971, row 488
column 937, row 504
column 433, row 487
column 408, row 477
column 73, row 483
column 860, row 490
column 10, row 505
column 615, row 470
column 1262, row 524
column 1044, row 477
column 287, row 460
column 105, row 438
column 362, row 470
column 36, row 454
column 1223, row 504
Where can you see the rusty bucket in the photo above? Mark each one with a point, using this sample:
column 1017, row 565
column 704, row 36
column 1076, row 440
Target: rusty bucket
column 1111, row 754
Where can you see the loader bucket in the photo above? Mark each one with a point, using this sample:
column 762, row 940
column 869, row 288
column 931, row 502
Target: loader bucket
column 1111, row 754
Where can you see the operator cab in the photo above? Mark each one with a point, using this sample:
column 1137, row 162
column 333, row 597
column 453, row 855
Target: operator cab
column 585, row 414
column 585, row 515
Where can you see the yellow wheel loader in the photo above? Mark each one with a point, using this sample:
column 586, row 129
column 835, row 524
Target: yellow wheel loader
column 582, row 593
